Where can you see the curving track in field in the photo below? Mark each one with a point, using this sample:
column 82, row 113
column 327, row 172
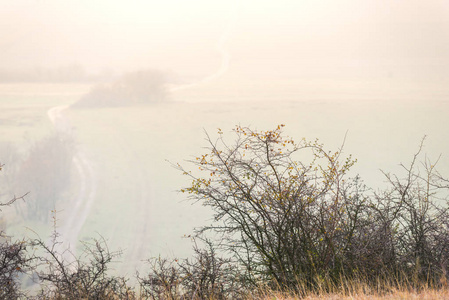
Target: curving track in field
column 135, row 249
column 76, row 211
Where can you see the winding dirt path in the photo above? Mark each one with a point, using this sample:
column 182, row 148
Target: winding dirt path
column 78, row 209
column 134, row 251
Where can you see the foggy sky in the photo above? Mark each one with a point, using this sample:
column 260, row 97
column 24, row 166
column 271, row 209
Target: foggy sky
column 291, row 37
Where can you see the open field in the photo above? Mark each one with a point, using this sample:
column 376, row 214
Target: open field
column 24, row 109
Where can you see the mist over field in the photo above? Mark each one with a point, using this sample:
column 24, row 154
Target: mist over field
column 99, row 98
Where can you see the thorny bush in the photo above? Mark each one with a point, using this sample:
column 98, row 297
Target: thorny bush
column 204, row 276
column 84, row 277
column 15, row 260
column 287, row 212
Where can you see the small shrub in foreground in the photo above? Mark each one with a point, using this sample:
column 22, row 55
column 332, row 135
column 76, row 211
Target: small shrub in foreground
column 204, row 276
column 85, row 277
column 15, row 260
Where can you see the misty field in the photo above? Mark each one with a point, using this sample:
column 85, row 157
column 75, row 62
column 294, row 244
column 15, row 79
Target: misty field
column 224, row 149
column 137, row 206
column 131, row 148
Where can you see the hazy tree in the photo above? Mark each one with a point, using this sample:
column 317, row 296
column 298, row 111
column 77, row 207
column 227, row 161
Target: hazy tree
column 145, row 86
column 142, row 86
column 46, row 174
column 11, row 159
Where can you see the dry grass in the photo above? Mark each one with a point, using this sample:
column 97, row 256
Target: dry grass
column 359, row 290
column 398, row 294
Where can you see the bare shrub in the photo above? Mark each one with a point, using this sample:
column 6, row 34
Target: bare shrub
column 416, row 212
column 287, row 212
column 85, row 277
column 280, row 218
column 163, row 280
column 15, row 260
column 208, row 276
column 204, row 276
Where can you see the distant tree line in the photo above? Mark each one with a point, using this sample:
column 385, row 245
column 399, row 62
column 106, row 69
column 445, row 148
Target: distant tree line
column 66, row 74
column 288, row 217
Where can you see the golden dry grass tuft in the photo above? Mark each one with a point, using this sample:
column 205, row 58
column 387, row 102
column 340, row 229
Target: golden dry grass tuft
column 427, row 294
column 358, row 289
